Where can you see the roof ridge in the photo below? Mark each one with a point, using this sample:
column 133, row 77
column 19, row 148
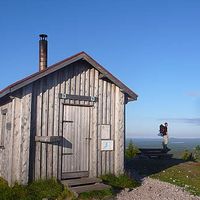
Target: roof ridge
column 52, row 68
column 40, row 72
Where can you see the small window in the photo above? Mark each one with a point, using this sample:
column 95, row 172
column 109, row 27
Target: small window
column 3, row 127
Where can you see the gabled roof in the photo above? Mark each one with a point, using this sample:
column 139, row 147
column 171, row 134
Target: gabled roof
column 80, row 56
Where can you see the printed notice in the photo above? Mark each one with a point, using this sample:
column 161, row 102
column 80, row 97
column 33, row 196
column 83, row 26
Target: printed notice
column 107, row 145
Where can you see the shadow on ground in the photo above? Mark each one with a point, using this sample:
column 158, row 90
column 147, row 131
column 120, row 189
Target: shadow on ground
column 141, row 167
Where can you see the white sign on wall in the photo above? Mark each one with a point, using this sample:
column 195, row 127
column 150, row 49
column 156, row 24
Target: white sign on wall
column 107, row 145
column 105, row 131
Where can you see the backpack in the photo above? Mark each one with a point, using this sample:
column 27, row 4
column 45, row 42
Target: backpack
column 162, row 129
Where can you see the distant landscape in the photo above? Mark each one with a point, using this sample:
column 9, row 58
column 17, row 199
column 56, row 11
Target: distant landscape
column 177, row 145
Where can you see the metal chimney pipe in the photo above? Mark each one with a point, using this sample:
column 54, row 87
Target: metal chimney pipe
column 42, row 52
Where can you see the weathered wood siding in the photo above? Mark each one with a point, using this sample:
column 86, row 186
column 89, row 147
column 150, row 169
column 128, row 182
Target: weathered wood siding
column 77, row 79
column 14, row 165
column 37, row 110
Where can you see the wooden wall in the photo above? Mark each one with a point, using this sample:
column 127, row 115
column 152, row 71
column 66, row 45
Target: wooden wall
column 14, row 157
column 78, row 79
column 39, row 111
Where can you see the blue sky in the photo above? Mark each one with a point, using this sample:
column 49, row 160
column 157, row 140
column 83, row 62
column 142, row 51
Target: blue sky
column 152, row 46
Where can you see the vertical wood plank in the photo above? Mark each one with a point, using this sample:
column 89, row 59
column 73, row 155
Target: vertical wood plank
column 112, row 163
column 94, row 130
column 56, row 124
column 45, row 113
column 32, row 150
column 1, row 152
column 104, row 121
column 10, row 158
column 2, row 164
column 38, row 131
column 108, row 121
column 82, row 82
column 25, row 129
column 6, row 154
column 87, row 83
column 50, row 126
column 61, row 113
column 78, row 81
column 100, row 112
column 67, row 83
column 92, row 76
column 73, row 82
column 87, row 135
column 119, row 132
column 17, row 141
column 72, row 132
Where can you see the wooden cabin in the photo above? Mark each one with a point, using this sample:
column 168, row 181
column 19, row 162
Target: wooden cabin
column 65, row 121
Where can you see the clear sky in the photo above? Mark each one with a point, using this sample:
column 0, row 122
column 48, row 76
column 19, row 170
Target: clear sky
column 152, row 46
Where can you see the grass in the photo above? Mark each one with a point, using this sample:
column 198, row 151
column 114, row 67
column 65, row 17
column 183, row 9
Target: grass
column 37, row 190
column 116, row 182
column 119, row 182
column 176, row 171
column 186, row 175
column 99, row 195
column 5, row 190
column 54, row 190
column 45, row 189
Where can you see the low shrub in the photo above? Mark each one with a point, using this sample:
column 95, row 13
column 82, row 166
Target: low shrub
column 20, row 192
column 131, row 151
column 197, row 153
column 187, row 156
column 120, row 182
column 50, row 189
column 5, row 190
column 102, row 194
column 37, row 190
column 66, row 194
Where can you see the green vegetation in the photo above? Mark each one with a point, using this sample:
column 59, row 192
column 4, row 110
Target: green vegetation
column 117, row 182
column 45, row 189
column 36, row 190
column 103, row 194
column 176, row 171
column 120, row 182
column 187, row 156
column 193, row 155
column 5, row 190
column 54, row 190
column 20, row 192
column 186, row 175
column 197, row 153
column 131, row 151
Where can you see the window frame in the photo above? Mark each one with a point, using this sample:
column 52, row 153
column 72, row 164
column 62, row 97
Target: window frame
column 3, row 127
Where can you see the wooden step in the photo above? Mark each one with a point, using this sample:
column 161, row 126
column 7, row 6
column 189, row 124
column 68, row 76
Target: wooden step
column 89, row 188
column 70, row 175
column 80, row 181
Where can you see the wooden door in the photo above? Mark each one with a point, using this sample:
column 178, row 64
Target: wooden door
column 75, row 145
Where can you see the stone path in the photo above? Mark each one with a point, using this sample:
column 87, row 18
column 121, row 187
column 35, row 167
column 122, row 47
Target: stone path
column 152, row 189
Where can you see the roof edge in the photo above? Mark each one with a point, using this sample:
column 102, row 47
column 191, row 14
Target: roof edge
column 10, row 87
column 81, row 55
